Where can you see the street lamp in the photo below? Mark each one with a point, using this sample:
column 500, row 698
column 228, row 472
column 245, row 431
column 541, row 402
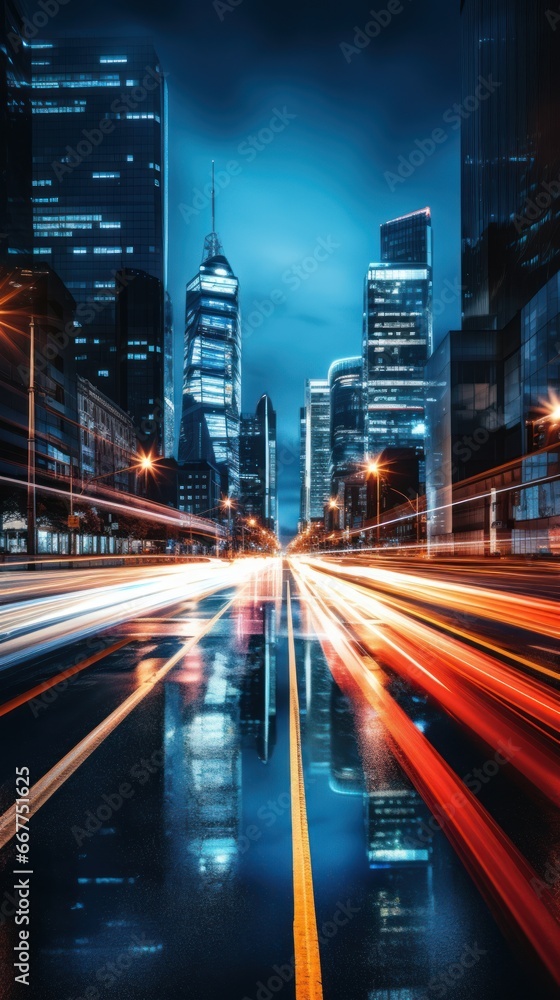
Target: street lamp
column 144, row 463
column 227, row 502
column 251, row 522
column 374, row 469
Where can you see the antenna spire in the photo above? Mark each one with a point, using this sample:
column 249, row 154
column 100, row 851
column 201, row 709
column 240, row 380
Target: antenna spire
column 212, row 243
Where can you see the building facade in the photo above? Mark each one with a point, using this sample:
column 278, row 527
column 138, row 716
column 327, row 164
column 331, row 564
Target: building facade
column 211, row 409
column 198, row 489
column 501, row 372
column 302, row 457
column 107, row 438
column 347, row 419
column 510, row 158
column 37, row 305
column 140, row 361
column 16, row 228
column 397, row 342
column 257, row 465
column 408, row 239
column 317, row 479
column 99, row 197
column 398, row 335
column 167, row 412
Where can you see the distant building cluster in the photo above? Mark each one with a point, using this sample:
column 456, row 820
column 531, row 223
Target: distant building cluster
column 466, row 430
column 363, row 427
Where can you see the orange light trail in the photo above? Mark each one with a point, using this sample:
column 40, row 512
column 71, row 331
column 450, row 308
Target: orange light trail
column 523, row 611
column 461, row 679
column 502, row 873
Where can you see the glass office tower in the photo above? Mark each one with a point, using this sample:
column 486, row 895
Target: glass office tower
column 258, row 489
column 100, row 178
column 140, row 312
column 510, row 157
column 168, row 414
column 302, row 459
column 16, row 230
column 347, row 419
column 317, row 484
column 408, row 239
column 212, row 370
column 397, row 340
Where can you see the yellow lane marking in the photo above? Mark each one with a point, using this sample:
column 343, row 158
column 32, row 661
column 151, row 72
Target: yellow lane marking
column 34, row 692
column 55, row 778
column 306, row 941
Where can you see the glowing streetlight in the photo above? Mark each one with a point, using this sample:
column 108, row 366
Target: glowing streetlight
column 374, row 469
column 227, row 504
column 143, row 463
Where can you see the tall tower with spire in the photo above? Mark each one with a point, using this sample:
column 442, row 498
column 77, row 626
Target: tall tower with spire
column 211, row 412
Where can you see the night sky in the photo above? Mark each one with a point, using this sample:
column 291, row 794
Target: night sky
column 232, row 66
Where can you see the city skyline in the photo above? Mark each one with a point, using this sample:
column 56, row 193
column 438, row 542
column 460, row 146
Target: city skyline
column 338, row 190
column 279, row 499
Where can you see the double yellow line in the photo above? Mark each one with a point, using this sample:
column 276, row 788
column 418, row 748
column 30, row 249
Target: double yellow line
column 306, row 941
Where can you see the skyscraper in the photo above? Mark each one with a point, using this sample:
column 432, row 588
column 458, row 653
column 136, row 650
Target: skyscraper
column 398, row 335
column 212, row 370
column 100, row 178
column 397, row 341
column 408, row 239
column 139, row 312
column 302, row 457
column 16, row 232
column 257, row 464
column 347, row 419
column 317, row 484
column 497, row 372
column 167, row 409
column 510, row 157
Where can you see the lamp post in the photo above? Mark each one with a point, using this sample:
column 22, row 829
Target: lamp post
column 227, row 502
column 251, row 522
column 333, row 505
column 374, row 469
column 145, row 463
